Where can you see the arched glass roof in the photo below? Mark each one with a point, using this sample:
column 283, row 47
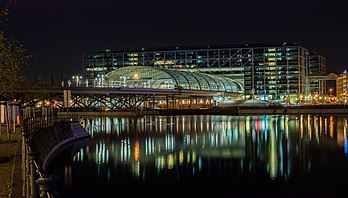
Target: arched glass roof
column 160, row 78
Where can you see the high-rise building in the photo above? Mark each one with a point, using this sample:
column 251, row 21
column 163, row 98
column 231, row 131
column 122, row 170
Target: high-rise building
column 316, row 65
column 316, row 70
column 276, row 71
column 342, row 87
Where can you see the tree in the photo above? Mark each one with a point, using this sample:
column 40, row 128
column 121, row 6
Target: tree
column 13, row 56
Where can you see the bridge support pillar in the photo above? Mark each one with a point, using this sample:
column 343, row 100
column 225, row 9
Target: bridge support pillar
column 47, row 185
column 67, row 98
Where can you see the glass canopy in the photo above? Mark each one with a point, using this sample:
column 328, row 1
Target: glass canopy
column 160, row 78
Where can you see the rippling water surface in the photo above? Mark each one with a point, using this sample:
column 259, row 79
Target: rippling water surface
column 225, row 156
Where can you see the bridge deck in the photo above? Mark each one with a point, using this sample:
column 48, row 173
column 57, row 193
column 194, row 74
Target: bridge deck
column 130, row 91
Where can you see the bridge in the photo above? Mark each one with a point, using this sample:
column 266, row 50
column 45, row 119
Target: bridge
column 144, row 88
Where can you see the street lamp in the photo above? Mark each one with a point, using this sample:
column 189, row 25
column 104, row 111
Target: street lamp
column 102, row 80
column 124, row 79
column 136, row 76
column 78, row 79
column 99, row 81
column 330, row 91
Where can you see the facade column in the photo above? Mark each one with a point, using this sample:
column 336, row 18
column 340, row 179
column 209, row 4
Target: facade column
column 173, row 102
column 190, row 102
column 167, row 102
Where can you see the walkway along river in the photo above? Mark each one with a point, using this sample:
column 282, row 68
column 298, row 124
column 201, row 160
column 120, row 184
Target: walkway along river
column 44, row 136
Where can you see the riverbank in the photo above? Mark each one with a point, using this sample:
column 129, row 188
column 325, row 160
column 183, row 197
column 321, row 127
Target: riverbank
column 246, row 110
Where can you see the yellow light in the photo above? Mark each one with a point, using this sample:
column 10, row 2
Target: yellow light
column 331, row 126
column 136, row 150
column 170, row 161
column 181, row 157
column 136, row 75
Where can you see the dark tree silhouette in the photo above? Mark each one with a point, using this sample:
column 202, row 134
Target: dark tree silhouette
column 13, row 56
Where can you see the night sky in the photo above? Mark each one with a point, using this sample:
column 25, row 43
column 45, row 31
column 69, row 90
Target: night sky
column 58, row 32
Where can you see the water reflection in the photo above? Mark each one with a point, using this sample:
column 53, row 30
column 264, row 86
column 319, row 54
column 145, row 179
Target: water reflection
column 181, row 147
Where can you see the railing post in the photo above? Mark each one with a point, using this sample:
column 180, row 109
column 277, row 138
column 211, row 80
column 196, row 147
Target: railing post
column 27, row 174
column 24, row 166
column 35, row 183
column 33, row 156
column 48, row 185
column 25, row 158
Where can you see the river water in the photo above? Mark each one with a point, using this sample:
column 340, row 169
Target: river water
column 206, row 155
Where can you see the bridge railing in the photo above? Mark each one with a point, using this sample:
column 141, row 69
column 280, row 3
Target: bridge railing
column 35, row 181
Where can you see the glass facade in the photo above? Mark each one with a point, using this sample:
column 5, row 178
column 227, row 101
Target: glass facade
column 316, row 67
column 267, row 71
column 342, row 87
column 160, row 78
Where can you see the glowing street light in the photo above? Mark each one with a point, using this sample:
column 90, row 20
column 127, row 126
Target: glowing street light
column 99, row 80
column 330, row 91
column 78, row 80
column 124, row 79
column 136, row 76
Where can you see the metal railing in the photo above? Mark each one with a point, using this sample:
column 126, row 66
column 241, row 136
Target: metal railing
column 36, row 183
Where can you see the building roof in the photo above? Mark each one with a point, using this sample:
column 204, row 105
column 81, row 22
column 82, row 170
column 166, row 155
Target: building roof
column 222, row 46
column 160, row 78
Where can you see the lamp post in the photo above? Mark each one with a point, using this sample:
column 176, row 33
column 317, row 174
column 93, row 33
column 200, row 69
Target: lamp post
column 102, row 80
column 124, row 79
column 99, row 81
column 78, row 80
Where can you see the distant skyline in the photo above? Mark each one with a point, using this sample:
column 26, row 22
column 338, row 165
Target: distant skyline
column 57, row 33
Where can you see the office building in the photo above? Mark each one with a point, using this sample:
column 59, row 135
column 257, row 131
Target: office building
column 276, row 71
column 341, row 87
column 316, row 71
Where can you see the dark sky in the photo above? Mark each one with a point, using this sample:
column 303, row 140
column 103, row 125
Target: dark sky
column 58, row 32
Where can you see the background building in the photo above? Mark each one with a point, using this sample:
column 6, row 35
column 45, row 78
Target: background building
column 277, row 71
column 341, row 87
column 316, row 72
